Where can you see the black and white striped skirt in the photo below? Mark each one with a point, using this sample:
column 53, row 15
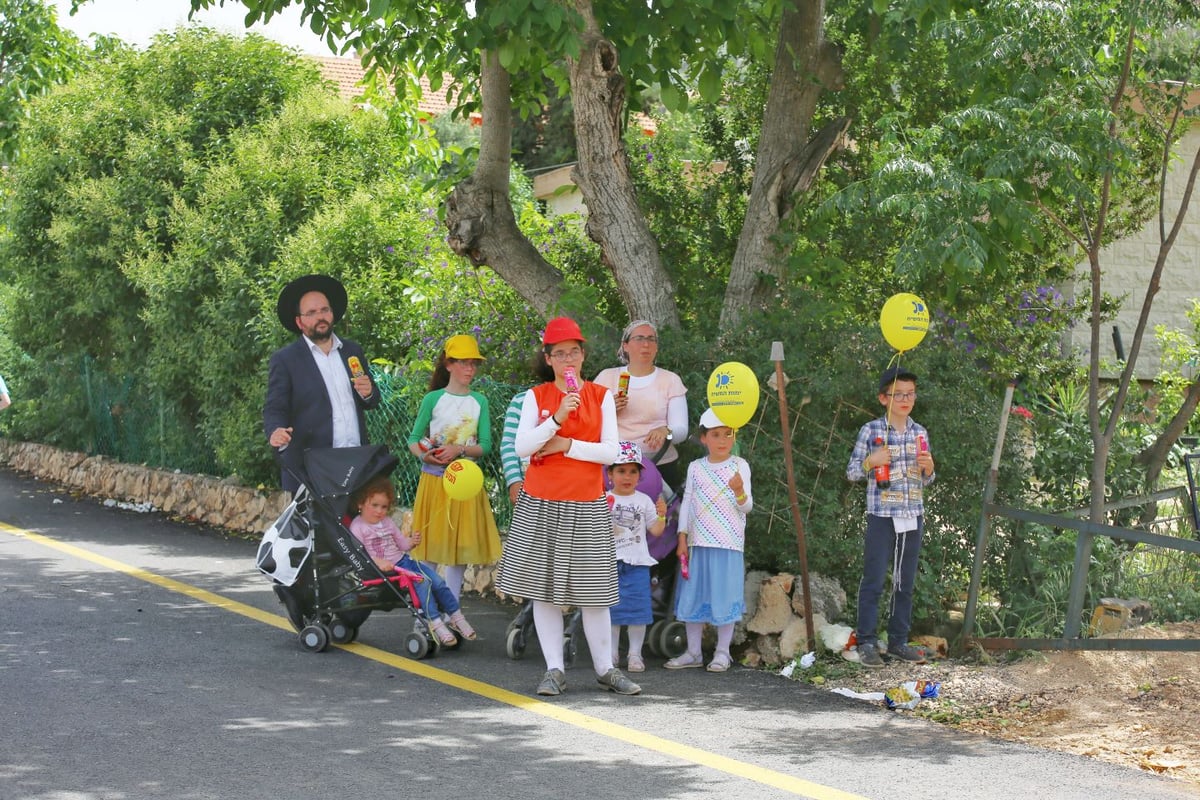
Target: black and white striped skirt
column 561, row 552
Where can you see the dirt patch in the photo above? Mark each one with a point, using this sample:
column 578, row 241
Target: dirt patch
column 1136, row 709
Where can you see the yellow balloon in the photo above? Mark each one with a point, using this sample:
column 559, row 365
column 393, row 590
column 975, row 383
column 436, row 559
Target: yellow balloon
column 462, row 479
column 733, row 393
column 904, row 321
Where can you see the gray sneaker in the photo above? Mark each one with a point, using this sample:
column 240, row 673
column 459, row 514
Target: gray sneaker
column 868, row 656
column 554, row 682
column 903, row 652
column 616, row 681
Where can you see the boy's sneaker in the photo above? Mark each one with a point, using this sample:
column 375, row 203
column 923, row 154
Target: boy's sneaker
column 868, row 656
column 903, row 652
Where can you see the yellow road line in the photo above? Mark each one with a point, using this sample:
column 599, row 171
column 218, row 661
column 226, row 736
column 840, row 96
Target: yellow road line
column 695, row 755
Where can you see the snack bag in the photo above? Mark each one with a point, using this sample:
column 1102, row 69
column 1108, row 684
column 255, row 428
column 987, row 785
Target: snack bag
column 908, row 694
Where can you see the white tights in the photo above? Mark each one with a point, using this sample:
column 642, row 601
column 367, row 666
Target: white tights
column 637, row 638
column 548, row 621
column 453, row 573
column 695, row 630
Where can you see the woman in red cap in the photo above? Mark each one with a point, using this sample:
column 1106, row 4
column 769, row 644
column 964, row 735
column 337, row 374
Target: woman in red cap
column 560, row 549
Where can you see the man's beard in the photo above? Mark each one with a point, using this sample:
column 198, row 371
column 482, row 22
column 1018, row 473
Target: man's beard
column 317, row 334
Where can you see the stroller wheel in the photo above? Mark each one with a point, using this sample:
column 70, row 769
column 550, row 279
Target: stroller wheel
column 342, row 632
column 416, row 646
column 314, row 638
column 514, row 643
column 569, row 651
column 672, row 641
column 652, row 636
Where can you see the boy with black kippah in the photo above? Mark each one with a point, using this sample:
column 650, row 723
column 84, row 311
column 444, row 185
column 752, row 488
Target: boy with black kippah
column 895, row 514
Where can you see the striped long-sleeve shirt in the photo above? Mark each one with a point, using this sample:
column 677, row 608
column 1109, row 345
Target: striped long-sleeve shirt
column 514, row 465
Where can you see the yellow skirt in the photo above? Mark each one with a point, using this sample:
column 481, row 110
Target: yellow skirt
column 453, row 531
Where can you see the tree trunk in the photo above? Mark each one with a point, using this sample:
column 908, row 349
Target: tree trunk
column 479, row 211
column 786, row 162
column 615, row 220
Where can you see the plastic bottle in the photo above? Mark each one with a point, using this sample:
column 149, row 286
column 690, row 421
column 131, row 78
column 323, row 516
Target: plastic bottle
column 623, row 383
column 683, row 565
column 426, row 444
column 883, row 472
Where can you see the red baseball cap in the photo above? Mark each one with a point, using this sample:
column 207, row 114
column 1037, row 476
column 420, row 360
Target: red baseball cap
column 562, row 329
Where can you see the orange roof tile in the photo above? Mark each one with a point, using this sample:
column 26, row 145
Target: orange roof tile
column 346, row 73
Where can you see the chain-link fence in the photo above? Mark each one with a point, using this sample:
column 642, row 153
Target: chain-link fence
column 391, row 423
column 133, row 426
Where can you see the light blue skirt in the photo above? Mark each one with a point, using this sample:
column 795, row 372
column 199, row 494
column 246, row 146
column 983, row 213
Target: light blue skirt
column 715, row 591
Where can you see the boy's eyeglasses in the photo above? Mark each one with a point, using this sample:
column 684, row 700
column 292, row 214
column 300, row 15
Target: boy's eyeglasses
column 902, row 395
column 723, row 435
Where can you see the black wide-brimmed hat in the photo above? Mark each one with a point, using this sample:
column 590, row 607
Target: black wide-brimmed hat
column 289, row 299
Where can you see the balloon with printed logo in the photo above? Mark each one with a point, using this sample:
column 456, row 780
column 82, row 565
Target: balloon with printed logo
column 462, row 479
column 733, row 393
column 904, row 321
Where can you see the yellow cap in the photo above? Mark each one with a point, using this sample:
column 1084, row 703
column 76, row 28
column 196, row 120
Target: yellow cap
column 462, row 347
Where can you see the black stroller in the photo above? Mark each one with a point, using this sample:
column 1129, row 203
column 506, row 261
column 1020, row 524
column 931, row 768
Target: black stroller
column 322, row 574
column 666, row 637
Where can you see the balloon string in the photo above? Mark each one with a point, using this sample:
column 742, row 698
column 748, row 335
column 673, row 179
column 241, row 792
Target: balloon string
column 887, row 428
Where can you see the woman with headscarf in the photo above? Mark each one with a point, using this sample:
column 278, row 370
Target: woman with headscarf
column 651, row 402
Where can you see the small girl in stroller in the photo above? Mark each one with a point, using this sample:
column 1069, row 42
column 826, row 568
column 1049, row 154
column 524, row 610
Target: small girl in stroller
column 388, row 547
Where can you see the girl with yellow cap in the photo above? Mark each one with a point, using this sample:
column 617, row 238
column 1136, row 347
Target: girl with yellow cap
column 453, row 423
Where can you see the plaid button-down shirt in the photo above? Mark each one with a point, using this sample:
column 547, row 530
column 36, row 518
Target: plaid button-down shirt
column 904, row 497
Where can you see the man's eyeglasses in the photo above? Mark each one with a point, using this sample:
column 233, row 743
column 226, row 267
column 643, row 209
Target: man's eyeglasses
column 902, row 395
column 639, row 339
column 316, row 312
column 567, row 355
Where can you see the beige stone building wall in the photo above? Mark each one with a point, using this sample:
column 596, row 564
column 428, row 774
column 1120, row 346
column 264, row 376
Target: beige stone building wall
column 1127, row 266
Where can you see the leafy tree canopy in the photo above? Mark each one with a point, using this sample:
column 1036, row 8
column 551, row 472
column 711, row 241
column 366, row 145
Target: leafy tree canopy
column 35, row 55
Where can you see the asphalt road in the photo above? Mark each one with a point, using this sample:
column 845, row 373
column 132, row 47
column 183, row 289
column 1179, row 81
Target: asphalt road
column 145, row 658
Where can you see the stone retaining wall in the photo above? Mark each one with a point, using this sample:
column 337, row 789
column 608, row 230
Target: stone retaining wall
column 198, row 498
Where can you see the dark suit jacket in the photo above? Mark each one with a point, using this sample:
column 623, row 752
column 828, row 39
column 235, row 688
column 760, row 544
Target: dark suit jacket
column 296, row 399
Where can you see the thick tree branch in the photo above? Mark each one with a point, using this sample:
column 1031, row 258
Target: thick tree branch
column 615, row 220
column 805, row 66
column 479, row 215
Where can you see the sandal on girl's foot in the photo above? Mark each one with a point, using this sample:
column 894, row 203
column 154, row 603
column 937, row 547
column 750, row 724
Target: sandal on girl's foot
column 444, row 635
column 720, row 662
column 459, row 623
column 635, row 664
column 685, row 661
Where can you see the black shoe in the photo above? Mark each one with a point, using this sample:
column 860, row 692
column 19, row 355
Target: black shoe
column 903, row 652
column 868, row 656
column 554, row 682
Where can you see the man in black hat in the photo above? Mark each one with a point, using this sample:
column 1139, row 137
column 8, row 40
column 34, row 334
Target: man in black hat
column 318, row 386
